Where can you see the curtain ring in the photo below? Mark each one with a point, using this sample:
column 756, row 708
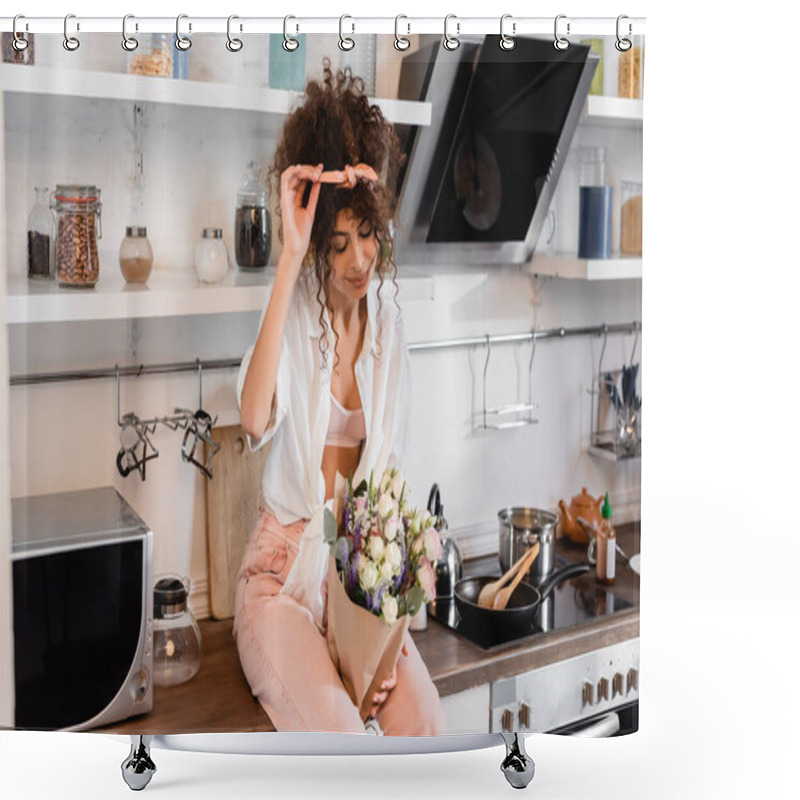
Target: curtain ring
column 560, row 43
column 400, row 42
column 506, row 42
column 233, row 44
column 129, row 43
column 451, row 42
column 71, row 43
column 20, row 43
column 623, row 44
column 289, row 42
column 182, row 42
column 345, row 42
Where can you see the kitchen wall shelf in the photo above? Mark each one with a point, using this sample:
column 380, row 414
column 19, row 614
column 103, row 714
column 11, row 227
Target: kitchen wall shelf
column 22, row 79
column 613, row 111
column 568, row 265
column 167, row 294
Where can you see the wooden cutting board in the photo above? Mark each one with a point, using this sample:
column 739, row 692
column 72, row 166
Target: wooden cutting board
column 232, row 500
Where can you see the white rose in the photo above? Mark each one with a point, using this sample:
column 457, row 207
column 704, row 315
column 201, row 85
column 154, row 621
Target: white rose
column 394, row 555
column 387, row 570
column 397, row 485
column 385, row 506
column 390, row 529
column 389, row 609
column 386, row 482
column 375, row 548
column 367, row 574
column 416, row 522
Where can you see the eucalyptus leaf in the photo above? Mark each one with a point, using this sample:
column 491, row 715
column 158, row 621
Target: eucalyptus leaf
column 414, row 600
column 330, row 526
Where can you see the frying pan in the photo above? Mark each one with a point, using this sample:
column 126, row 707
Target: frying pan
column 522, row 615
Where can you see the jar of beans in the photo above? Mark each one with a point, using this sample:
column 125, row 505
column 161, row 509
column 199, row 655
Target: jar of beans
column 78, row 228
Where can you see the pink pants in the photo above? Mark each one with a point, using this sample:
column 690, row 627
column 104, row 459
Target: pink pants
column 285, row 658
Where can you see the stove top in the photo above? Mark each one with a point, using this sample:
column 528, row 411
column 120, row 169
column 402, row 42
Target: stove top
column 572, row 602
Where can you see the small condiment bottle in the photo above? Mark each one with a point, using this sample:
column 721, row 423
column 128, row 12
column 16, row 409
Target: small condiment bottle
column 211, row 256
column 135, row 255
column 606, row 546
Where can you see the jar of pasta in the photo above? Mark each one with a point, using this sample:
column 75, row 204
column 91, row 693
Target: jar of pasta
column 153, row 56
column 630, row 226
column 630, row 70
column 78, row 227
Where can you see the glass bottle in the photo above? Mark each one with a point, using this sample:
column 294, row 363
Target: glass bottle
column 153, row 56
column 41, row 237
column 78, row 227
column 135, row 255
column 606, row 547
column 177, row 644
column 594, row 236
column 211, row 256
column 252, row 226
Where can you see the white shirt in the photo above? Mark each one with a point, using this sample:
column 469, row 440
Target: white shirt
column 293, row 483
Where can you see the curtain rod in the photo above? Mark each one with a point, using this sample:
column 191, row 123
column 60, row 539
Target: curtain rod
column 234, row 363
column 569, row 26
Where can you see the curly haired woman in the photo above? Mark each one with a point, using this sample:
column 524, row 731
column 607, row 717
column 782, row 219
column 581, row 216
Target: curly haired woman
column 327, row 383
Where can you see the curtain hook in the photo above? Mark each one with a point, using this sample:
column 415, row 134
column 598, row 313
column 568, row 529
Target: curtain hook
column 129, row 43
column 506, row 42
column 182, row 42
column 561, row 42
column 345, row 42
column 20, row 43
column 451, row 42
column 71, row 43
column 289, row 42
column 233, row 44
column 400, row 42
column 623, row 44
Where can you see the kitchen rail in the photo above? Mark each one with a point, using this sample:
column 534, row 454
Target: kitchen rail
column 233, row 363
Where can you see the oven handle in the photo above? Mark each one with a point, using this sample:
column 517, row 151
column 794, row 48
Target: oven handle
column 606, row 726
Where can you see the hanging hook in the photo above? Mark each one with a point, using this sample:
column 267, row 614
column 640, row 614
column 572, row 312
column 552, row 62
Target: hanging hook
column 506, row 42
column 400, row 42
column 289, row 42
column 233, row 44
column 116, row 370
column 530, row 375
column 345, row 42
column 561, row 42
column 71, row 43
column 182, row 42
column 451, row 42
column 485, row 368
column 199, row 383
column 129, row 43
column 602, row 352
column 635, row 342
column 20, row 43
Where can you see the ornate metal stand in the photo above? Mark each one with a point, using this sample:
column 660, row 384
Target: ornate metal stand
column 517, row 766
column 138, row 768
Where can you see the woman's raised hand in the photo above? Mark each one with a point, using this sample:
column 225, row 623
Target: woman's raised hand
column 298, row 220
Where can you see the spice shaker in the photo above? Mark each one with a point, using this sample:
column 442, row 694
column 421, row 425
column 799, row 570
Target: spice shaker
column 177, row 644
column 135, row 255
column 41, row 237
column 252, row 225
column 211, row 256
column 78, row 227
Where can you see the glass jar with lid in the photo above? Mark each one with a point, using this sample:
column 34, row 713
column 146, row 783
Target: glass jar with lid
column 135, row 255
column 41, row 237
column 78, row 227
column 252, row 226
column 595, row 211
column 177, row 644
column 630, row 214
column 211, row 256
column 153, row 56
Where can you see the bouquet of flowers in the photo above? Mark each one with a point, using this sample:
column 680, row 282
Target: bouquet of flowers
column 381, row 572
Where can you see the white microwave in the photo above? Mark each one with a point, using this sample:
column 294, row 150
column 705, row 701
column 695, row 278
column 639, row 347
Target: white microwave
column 82, row 610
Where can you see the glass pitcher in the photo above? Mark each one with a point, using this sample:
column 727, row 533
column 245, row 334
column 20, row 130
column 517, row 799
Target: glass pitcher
column 177, row 644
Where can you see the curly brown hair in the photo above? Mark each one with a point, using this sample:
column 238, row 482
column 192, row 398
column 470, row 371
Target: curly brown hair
column 336, row 125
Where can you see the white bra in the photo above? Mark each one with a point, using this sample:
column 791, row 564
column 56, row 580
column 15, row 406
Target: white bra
column 346, row 427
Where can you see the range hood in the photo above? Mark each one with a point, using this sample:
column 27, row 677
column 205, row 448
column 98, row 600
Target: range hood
column 477, row 183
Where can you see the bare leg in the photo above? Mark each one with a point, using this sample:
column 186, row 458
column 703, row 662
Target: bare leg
column 518, row 766
column 138, row 768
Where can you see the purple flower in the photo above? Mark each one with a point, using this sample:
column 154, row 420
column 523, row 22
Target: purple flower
column 341, row 550
column 352, row 571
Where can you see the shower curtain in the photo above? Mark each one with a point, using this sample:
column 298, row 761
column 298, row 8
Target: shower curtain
column 290, row 587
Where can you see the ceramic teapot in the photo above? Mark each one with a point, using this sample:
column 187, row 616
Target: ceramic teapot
column 582, row 505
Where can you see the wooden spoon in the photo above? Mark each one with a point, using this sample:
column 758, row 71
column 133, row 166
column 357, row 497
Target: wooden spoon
column 489, row 592
column 504, row 595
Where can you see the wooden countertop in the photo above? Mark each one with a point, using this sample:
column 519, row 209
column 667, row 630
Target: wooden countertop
column 218, row 698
